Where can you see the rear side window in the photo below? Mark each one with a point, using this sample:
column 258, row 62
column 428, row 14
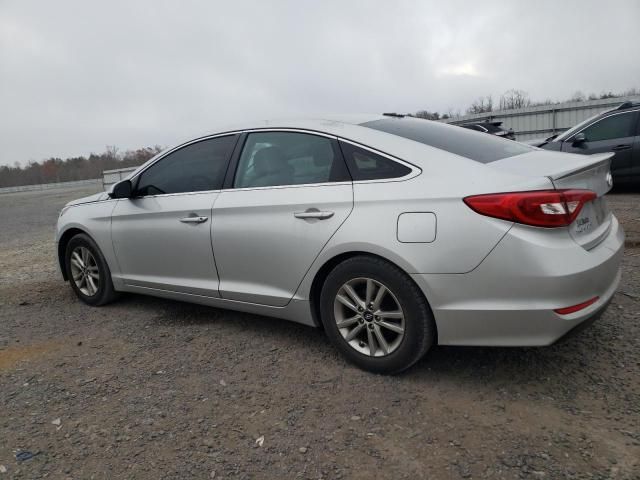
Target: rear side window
column 453, row 139
column 195, row 168
column 615, row 126
column 366, row 165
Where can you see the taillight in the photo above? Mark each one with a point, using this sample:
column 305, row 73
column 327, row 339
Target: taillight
column 540, row 208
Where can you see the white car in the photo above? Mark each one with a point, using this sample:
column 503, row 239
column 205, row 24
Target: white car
column 392, row 233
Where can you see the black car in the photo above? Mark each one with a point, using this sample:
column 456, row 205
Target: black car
column 616, row 130
column 492, row 128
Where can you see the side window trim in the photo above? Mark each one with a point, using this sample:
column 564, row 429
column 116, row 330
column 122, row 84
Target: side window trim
column 230, row 175
column 597, row 121
column 414, row 169
column 135, row 180
column 232, row 170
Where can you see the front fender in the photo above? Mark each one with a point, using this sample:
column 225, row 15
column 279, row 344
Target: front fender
column 94, row 219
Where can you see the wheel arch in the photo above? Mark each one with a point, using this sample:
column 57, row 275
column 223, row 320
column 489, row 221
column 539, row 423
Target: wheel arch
column 62, row 247
column 330, row 264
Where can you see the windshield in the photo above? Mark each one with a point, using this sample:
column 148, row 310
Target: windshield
column 467, row 143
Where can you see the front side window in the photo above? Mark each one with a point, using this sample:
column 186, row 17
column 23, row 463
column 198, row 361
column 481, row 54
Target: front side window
column 615, row 126
column 288, row 158
column 366, row 165
column 195, row 168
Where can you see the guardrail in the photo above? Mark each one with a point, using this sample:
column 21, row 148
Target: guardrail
column 109, row 177
column 50, row 186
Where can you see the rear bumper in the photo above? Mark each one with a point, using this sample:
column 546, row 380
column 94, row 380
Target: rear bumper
column 510, row 298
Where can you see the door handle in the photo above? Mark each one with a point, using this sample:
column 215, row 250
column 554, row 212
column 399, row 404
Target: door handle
column 313, row 213
column 194, row 219
column 617, row 148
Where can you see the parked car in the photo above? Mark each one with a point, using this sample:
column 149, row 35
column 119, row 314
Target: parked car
column 394, row 234
column 616, row 131
column 492, row 128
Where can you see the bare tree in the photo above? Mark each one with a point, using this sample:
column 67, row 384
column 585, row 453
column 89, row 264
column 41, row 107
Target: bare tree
column 577, row 96
column 481, row 105
column 112, row 152
column 451, row 113
column 427, row 115
column 512, row 99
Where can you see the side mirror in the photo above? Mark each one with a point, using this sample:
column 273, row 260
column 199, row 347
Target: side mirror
column 123, row 189
column 579, row 139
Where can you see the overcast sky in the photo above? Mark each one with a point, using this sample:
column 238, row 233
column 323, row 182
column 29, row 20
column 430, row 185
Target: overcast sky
column 77, row 76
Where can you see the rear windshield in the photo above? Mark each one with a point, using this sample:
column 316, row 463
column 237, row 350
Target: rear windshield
column 476, row 146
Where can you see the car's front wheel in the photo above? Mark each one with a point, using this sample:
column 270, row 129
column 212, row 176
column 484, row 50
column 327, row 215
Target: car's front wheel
column 88, row 272
column 376, row 315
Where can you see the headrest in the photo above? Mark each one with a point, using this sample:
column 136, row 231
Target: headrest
column 269, row 160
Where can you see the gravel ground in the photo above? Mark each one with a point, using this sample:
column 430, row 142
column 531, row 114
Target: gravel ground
column 147, row 388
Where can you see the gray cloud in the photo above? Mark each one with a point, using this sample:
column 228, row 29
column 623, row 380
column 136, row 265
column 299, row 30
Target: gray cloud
column 76, row 76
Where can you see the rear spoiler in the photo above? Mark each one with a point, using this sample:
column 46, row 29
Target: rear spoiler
column 595, row 160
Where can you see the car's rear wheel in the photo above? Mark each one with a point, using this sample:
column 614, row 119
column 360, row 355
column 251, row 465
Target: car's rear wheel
column 88, row 272
column 376, row 315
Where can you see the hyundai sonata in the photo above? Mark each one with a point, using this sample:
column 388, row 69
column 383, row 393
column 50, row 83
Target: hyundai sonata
column 392, row 233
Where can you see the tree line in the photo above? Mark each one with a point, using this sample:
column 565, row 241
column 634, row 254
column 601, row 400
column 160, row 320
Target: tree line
column 55, row 169
column 514, row 98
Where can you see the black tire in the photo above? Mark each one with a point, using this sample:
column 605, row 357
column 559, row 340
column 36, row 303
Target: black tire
column 105, row 292
column 419, row 326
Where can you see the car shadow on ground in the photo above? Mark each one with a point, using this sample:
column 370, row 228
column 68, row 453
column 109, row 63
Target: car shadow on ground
column 176, row 313
column 625, row 188
column 496, row 365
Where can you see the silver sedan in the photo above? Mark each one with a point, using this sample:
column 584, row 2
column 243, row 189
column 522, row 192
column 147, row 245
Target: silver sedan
column 392, row 233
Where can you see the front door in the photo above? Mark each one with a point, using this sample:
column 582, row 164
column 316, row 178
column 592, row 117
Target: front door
column 290, row 194
column 162, row 236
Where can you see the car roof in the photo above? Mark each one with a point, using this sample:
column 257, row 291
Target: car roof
column 361, row 129
column 350, row 128
column 402, row 136
column 324, row 123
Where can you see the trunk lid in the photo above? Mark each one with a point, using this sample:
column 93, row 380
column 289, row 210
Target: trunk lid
column 571, row 171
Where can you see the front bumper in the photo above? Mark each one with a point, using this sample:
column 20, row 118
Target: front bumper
column 510, row 298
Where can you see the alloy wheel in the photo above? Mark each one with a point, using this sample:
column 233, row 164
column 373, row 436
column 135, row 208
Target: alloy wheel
column 85, row 271
column 369, row 317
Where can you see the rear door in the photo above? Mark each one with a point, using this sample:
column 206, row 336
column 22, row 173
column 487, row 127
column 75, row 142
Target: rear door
column 614, row 133
column 162, row 236
column 290, row 193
